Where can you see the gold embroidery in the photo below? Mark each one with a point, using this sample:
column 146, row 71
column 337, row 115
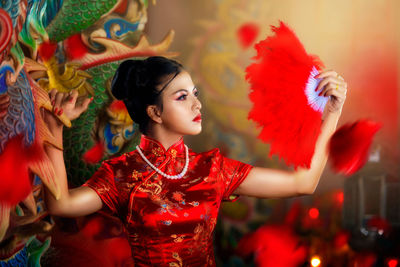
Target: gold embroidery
column 195, row 180
column 173, row 152
column 194, row 203
column 136, row 175
column 157, row 151
column 175, row 255
column 202, row 233
column 198, row 231
column 178, row 239
column 152, row 188
column 128, row 186
column 178, row 196
column 103, row 189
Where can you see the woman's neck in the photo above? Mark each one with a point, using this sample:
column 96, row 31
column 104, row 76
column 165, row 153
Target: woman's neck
column 166, row 139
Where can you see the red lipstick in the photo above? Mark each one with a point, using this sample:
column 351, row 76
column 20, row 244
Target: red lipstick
column 197, row 118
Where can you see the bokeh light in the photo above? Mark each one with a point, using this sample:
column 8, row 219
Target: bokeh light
column 313, row 213
column 315, row 261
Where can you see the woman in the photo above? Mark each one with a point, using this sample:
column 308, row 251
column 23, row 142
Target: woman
column 166, row 195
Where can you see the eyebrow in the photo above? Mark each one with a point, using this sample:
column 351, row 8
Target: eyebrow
column 185, row 90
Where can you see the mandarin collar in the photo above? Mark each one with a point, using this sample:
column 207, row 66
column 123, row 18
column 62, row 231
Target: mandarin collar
column 150, row 145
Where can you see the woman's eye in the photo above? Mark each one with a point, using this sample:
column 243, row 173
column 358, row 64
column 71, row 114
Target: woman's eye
column 182, row 97
column 196, row 93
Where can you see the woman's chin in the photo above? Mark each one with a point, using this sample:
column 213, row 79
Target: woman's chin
column 196, row 131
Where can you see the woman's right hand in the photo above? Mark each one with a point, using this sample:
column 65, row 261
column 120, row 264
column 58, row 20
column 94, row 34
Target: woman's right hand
column 68, row 104
column 79, row 201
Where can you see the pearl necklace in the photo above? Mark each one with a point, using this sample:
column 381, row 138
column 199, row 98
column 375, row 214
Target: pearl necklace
column 178, row 176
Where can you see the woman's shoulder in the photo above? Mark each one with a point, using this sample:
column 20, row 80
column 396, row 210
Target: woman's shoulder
column 121, row 159
column 212, row 153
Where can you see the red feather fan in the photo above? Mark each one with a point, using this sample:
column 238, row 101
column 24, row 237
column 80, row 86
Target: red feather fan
column 349, row 146
column 281, row 105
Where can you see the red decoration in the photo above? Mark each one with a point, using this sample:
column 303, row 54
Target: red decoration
column 379, row 224
column 349, row 146
column 276, row 246
column 339, row 198
column 93, row 227
column 94, row 154
column 278, row 81
column 15, row 183
column 6, row 26
column 75, row 47
column 293, row 213
column 47, row 50
column 312, row 223
column 364, row 260
column 392, row 262
column 247, row 34
column 341, row 239
column 100, row 242
column 118, row 106
column 313, row 213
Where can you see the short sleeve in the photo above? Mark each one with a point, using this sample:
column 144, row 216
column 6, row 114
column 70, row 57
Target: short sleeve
column 233, row 173
column 102, row 182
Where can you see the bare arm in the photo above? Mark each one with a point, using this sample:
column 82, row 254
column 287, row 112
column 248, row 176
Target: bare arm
column 75, row 202
column 266, row 183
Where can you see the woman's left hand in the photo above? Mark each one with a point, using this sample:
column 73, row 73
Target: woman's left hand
column 334, row 86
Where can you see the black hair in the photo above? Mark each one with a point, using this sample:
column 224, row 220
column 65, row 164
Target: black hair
column 135, row 82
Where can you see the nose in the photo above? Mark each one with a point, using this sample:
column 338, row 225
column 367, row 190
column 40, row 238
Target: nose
column 196, row 104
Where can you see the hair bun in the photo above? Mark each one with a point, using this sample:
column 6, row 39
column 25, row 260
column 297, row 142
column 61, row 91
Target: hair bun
column 129, row 77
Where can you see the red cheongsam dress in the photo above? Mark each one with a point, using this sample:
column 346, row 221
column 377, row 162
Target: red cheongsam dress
column 170, row 222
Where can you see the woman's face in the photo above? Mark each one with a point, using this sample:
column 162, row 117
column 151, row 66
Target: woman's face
column 181, row 106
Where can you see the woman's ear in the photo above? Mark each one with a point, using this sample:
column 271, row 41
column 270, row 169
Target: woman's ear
column 154, row 113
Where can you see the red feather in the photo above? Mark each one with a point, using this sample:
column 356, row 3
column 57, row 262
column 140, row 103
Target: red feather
column 247, row 34
column 47, row 50
column 75, row 48
column 276, row 245
column 349, row 146
column 95, row 154
column 273, row 245
column 15, row 182
column 118, row 106
column 278, row 80
column 392, row 262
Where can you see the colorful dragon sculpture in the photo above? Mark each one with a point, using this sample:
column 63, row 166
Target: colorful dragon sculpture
column 66, row 45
